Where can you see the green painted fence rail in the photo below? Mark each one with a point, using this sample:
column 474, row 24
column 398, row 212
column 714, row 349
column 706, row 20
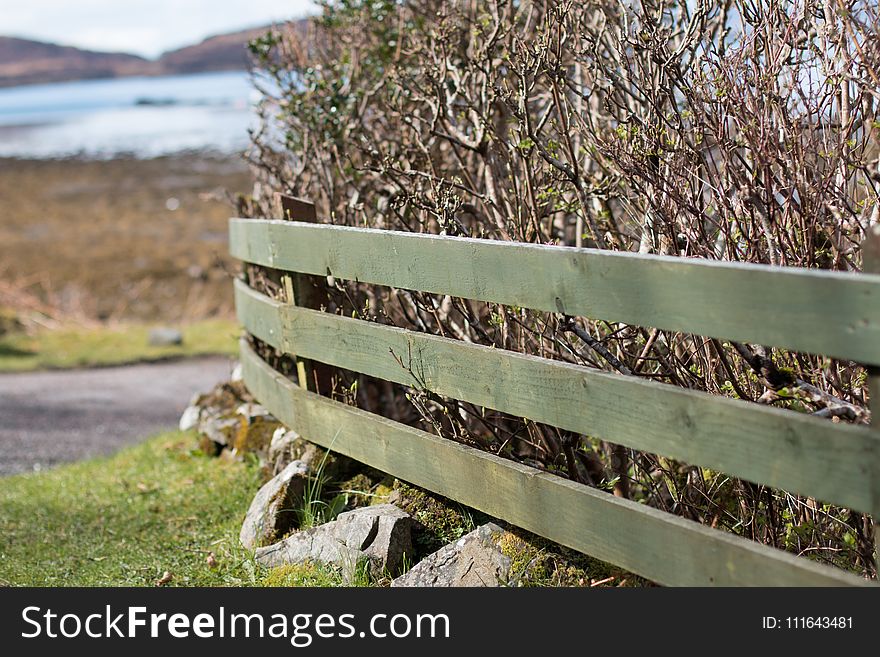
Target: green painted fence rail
column 836, row 463
column 829, row 313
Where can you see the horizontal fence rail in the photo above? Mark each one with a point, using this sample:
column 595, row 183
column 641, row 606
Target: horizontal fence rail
column 817, row 312
column 651, row 543
column 834, row 462
column 829, row 313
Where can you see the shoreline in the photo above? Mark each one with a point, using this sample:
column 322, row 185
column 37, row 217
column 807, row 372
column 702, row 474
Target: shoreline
column 229, row 160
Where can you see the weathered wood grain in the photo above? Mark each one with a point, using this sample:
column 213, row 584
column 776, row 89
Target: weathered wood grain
column 830, row 313
column 654, row 544
column 260, row 315
column 836, row 463
column 298, row 289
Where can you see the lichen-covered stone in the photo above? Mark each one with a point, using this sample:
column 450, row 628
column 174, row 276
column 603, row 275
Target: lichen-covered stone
column 475, row 559
column 286, row 446
column 225, row 397
column 245, row 428
column 380, row 534
column 281, row 449
column 273, row 510
column 255, row 430
column 220, row 429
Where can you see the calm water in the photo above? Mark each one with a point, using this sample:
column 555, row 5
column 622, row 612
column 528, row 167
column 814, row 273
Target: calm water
column 141, row 116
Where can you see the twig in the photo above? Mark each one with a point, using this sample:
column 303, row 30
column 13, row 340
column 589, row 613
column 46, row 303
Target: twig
column 569, row 325
column 775, row 380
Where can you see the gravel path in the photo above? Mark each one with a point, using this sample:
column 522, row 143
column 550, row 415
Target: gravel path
column 48, row 418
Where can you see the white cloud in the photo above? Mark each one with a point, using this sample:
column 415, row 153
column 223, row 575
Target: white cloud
column 145, row 27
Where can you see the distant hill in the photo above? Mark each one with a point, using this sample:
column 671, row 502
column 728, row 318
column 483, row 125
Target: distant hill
column 225, row 52
column 23, row 61
column 31, row 62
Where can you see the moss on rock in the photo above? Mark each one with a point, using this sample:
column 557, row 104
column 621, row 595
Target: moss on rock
column 440, row 521
column 225, row 396
column 535, row 561
column 255, row 434
column 304, row 574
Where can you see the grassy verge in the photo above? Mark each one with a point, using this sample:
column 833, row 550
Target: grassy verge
column 165, row 507
column 88, row 347
column 160, row 507
column 126, row 520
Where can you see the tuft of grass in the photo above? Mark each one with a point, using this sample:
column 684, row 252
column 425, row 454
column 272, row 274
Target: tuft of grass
column 314, row 510
column 111, row 345
column 126, row 520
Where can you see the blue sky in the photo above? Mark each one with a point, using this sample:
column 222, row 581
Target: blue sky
column 144, row 27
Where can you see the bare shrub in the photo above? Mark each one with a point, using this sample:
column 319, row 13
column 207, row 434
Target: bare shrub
column 732, row 130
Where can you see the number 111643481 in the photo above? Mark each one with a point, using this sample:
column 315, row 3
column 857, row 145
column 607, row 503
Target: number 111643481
column 807, row 623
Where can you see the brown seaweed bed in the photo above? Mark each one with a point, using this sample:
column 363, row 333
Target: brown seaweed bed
column 122, row 239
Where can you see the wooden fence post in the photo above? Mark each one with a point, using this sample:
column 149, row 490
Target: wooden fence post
column 871, row 264
column 304, row 291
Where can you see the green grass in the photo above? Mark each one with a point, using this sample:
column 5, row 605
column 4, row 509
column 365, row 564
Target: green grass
column 163, row 506
column 158, row 507
column 90, row 347
column 124, row 521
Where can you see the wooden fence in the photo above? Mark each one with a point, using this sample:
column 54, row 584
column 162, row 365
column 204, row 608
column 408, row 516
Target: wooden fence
column 819, row 312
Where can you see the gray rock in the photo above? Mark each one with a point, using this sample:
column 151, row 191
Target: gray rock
column 190, row 418
column 252, row 411
column 247, row 428
column 236, row 373
column 281, row 449
column 161, row 337
column 380, row 534
column 287, row 446
column 473, row 560
column 219, row 429
column 271, row 513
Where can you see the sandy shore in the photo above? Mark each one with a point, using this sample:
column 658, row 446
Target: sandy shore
column 123, row 239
